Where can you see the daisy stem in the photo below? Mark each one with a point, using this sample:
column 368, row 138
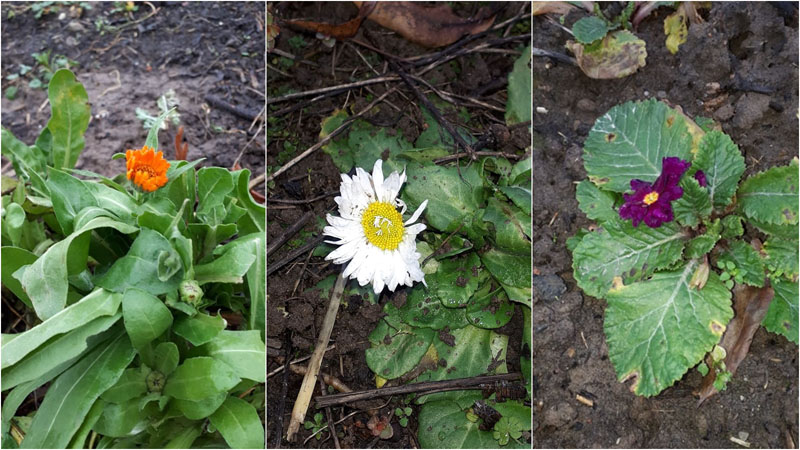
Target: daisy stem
column 310, row 379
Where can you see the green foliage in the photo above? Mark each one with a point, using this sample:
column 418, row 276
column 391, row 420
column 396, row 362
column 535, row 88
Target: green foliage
column 771, row 196
column 589, row 29
column 597, row 204
column 723, row 164
column 782, row 315
column 518, row 108
column 107, row 270
column 695, row 204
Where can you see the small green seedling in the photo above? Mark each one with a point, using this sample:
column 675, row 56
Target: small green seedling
column 403, row 414
column 506, row 429
column 316, row 425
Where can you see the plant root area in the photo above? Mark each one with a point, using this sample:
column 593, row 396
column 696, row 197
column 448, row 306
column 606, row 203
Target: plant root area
column 750, row 50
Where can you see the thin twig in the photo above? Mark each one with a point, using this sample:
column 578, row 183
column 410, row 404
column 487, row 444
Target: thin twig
column 303, row 202
column 330, row 90
column 296, row 361
column 289, row 232
column 448, row 158
column 294, row 254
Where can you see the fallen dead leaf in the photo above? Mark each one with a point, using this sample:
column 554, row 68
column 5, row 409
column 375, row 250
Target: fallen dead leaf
column 750, row 305
column 342, row 31
column 617, row 55
column 560, row 8
column 429, row 26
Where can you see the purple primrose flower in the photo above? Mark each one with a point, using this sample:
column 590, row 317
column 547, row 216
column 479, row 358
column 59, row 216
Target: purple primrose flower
column 700, row 176
column 651, row 203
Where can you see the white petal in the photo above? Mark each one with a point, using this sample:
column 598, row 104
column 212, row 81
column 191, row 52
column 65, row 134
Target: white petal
column 377, row 178
column 417, row 213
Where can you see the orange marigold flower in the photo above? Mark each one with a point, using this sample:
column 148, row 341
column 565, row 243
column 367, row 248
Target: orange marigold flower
column 146, row 168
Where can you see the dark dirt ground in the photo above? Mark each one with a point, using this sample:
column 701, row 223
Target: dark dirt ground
column 755, row 43
column 291, row 311
column 195, row 48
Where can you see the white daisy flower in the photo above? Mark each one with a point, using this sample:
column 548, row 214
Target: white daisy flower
column 381, row 248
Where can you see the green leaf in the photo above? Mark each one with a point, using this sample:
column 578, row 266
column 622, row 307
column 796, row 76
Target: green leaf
column 200, row 328
column 364, row 143
column 782, row 315
column 732, row 226
column 201, row 408
column 511, row 227
column 589, row 29
column 489, row 309
column 256, row 278
column 782, row 255
column 424, row 309
column 746, row 260
column 456, row 280
column 519, row 195
column 630, row 140
column 139, row 268
column 79, row 439
column 70, row 113
column 118, row 420
column 513, row 272
column 396, row 347
column 595, row 203
column 69, row 197
column 722, row 162
column 45, row 280
column 451, row 199
column 518, row 106
column 74, row 392
column 700, row 245
column 14, row 222
column 214, row 184
column 145, row 316
column 13, row 258
column 239, row 424
column 199, row 378
column 657, row 329
column 152, row 135
column 165, row 358
column 56, row 350
column 694, row 205
column 97, row 304
column 129, row 386
column 446, row 427
column 228, row 268
column 26, row 160
column 622, row 250
column 771, row 196
column 244, row 351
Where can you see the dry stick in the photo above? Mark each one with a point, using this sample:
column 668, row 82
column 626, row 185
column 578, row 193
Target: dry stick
column 333, row 133
column 298, row 360
column 310, row 380
column 427, row 387
column 244, row 113
column 302, row 202
column 329, row 415
column 448, row 158
column 293, row 255
column 291, row 231
column 341, row 87
column 330, row 380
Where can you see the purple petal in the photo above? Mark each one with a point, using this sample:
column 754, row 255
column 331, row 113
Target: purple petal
column 700, row 176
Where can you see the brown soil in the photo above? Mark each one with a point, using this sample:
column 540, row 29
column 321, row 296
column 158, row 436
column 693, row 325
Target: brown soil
column 195, row 48
column 744, row 48
column 294, row 310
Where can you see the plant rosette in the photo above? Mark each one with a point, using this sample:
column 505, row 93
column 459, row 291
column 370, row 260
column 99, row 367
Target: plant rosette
column 129, row 279
column 669, row 206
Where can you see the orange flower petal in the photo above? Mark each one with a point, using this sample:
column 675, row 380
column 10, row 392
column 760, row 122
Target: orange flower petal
column 146, row 168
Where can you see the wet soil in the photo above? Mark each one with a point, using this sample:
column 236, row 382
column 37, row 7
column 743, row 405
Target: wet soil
column 128, row 61
column 751, row 51
column 294, row 309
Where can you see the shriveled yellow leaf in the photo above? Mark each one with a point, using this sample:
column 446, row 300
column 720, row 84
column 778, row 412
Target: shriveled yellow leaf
column 676, row 29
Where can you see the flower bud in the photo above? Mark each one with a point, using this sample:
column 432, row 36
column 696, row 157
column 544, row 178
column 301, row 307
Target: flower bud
column 700, row 276
column 191, row 292
column 155, row 381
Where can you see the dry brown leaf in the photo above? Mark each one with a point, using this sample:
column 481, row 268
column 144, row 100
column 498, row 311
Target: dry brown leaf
column 560, row 8
column 342, row 31
column 617, row 55
column 429, row 26
column 750, row 305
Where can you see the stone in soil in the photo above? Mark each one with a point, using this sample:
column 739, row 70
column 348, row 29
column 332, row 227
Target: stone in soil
column 548, row 287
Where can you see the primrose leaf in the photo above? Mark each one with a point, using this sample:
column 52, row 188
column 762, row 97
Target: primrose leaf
column 771, row 196
column 732, row 226
column 657, row 329
column 622, row 250
column 700, row 245
column 676, row 30
column 630, row 141
column 618, row 55
column 790, row 231
column 70, row 113
column 518, row 106
column 238, row 422
column 396, row 347
column 597, row 204
column 746, row 260
column 199, row 378
column 694, row 205
column 589, row 29
column 782, row 255
column 782, row 314
column 74, row 392
column 145, row 316
column 722, row 162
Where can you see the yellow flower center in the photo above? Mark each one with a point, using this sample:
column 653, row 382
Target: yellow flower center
column 651, row 198
column 383, row 225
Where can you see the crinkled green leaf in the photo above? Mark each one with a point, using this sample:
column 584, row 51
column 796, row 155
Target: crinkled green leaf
column 199, row 378
column 782, row 255
column 145, row 316
column 244, row 351
column 73, row 393
column 722, row 162
column 732, row 226
column 597, row 204
column 239, row 424
column 97, row 304
column 657, row 329
column 589, row 29
column 518, row 106
column 782, row 315
column 700, row 245
column 396, row 347
column 70, row 113
column 630, row 140
column 694, row 205
column 746, row 260
column 622, row 250
column 771, row 196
